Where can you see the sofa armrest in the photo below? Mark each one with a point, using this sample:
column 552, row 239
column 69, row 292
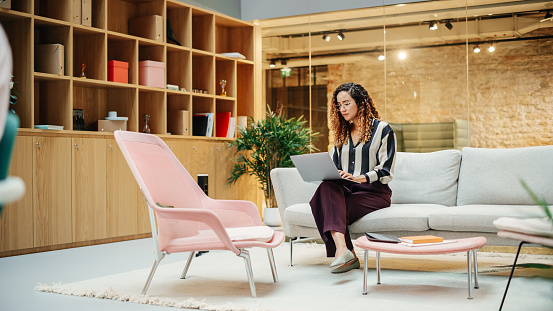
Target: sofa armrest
column 290, row 189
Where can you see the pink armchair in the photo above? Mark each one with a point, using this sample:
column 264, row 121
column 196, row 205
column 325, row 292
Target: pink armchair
column 187, row 219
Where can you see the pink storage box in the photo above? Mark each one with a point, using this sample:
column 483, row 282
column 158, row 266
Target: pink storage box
column 151, row 73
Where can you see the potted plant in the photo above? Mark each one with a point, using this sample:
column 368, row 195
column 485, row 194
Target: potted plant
column 268, row 144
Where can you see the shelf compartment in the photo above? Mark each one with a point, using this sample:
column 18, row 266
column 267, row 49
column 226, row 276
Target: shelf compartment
column 234, row 36
column 204, row 73
column 89, row 49
column 225, row 70
column 125, row 50
column 56, row 9
column 99, row 13
column 18, row 31
column 46, row 33
column 203, row 24
column 178, row 122
column 96, row 100
column 244, row 95
column 179, row 17
column 24, row 6
column 202, row 105
column 154, row 104
column 179, row 68
column 52, row 103
column 120, row 11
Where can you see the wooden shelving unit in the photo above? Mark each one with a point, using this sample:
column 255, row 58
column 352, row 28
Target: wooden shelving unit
column 196, row 64
column 80, row 190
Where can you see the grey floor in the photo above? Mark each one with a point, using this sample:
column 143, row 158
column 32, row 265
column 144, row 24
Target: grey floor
column 20, row 274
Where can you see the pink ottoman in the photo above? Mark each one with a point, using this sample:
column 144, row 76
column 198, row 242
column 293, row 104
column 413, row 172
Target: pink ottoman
column 469, row 245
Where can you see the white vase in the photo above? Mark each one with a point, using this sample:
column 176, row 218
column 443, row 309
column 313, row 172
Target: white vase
column 271, row 217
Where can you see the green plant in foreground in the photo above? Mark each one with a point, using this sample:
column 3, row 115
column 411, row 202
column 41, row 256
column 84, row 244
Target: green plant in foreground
column 539, row 201
column 268, row 144
column 13, row 93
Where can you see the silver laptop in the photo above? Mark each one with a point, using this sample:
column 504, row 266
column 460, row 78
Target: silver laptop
column 316, row 167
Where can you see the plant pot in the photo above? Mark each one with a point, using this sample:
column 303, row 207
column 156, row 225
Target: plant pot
column 271, row 217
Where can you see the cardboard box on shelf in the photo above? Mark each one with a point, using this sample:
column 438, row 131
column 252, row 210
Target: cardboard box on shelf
column 118, row 71
column 6, row 4
column 150, row 27
column 86, row 12
column 112, row 125
column 178, row 122
column 49, row 58
column 151, row 73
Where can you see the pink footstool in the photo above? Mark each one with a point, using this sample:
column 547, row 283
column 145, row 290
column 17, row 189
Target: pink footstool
column 469, row 245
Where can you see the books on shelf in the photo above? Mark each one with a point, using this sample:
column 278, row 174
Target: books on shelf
column 202, row 124
column 49, row 127
column 231, row 127
column 234, row 55
column 421, row 239
column 222, row 120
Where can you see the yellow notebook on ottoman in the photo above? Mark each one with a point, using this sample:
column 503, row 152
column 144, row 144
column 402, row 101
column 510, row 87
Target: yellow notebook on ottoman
column 420, row 239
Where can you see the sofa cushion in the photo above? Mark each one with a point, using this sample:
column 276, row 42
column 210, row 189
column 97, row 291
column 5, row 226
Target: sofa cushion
column 492, row 176
column 300, row 214
column 398, row 217
column 426, row 177
column 478, row 218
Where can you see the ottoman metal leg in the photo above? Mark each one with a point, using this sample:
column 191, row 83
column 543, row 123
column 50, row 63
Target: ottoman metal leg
column 475, row 263
column 469, row 273
column 377, row 267
column 365, row 271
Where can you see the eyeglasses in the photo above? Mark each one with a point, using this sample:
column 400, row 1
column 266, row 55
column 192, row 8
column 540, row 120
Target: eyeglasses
column 344, row 104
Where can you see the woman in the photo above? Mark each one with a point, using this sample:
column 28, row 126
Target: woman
column 364, row 151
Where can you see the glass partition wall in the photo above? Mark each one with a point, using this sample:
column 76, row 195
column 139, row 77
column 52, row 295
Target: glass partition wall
column 444, row 74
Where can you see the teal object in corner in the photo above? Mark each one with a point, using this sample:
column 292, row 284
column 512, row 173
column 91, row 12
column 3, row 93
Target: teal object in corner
column 6, row 145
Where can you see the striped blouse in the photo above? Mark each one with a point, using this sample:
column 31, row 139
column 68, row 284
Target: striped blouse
column 375, row 159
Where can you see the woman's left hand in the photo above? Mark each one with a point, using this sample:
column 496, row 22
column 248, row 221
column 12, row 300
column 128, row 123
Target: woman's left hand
column 359, row 178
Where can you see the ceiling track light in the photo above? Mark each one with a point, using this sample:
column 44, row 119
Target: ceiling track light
column 283, row 62
column 477, row 49
column 448, row 25
column 547, row 17
column 341, row 35
column 272, row 64
column 326, row 38
column 433, row 25
column 491, row 49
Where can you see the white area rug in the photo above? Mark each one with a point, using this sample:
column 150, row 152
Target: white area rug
column 218, row 281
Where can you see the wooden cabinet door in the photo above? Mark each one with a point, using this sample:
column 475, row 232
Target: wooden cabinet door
column 16, row 221
column 222, row 155
column 52, row 191
column 122, row 194
column 89, row 189
column 200, row 161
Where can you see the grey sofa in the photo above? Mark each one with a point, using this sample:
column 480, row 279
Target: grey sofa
column 448, row 193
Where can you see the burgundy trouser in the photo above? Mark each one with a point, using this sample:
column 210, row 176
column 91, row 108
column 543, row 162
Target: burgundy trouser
column 336, row 205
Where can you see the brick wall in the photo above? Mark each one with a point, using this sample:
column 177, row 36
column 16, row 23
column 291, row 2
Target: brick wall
column 510, row 90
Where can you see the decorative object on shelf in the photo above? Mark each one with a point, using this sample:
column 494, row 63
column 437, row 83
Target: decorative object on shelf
column 171, row 35
column 83, row 67
column 78, row 120
column 223, row 84
column 146, row 126
column 172, row 87
column 13, row 93
column 268, row 144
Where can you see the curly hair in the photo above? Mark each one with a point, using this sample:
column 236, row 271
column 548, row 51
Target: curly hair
column 366, row 112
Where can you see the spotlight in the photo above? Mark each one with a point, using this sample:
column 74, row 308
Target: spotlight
column 326, row 38
column 272, row 64
column 491, row 48
column 341, row 35
column 381, row 57
column 283, row 62
column 433, row 25
column 402, row 55
column 448, row 25
column 477, row 49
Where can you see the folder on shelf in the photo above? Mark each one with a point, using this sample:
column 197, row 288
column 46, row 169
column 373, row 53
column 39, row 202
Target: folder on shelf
column 231, row 127
column 420, row 239
column 49, row 58
column 222, row 121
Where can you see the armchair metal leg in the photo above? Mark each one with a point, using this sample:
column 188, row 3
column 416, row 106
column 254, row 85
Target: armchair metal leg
column 246, row 255
column 151, row 276
column 272, row 263
column 475, row 261
column 291, row 249
column 511, row 275
column 469, row 273
column 185, row 271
